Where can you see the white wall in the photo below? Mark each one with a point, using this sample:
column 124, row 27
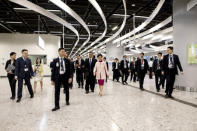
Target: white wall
column 185, row 32
column 17, row 42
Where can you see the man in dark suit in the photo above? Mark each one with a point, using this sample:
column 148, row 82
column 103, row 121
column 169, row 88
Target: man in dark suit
column 10, row 69
column 124, row 67
column 24, row 71
column 157, row 67
column 90, row 78
column 132, row 69
column 141, row 69
column 105, row 60
column 80, row 66
column 170, row 70
column 116, row 69
column 61, row 75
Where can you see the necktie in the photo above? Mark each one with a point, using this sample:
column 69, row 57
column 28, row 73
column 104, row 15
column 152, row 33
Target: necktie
column 142, row 61
column 90, row 64
column 61, row 63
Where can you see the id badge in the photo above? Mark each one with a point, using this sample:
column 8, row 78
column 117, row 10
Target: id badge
column 26, row 69
column 57, row 64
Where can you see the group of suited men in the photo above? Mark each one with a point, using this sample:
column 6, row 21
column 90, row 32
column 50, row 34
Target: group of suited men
column 166, row 68
column 62, row 71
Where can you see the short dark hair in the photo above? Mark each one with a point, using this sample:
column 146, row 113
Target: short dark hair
column 142, row 53
column 12, row 53
column 151, row 59
column 90, row 52
column 24, row 50
column 160, row 53
column 104, row 58
column 37, row 60
column 60, row 49
column 171, row 48
column 99, row 55
column 124, row 56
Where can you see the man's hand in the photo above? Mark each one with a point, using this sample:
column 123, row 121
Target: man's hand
column 182, row 72
column 52, row 83
column 162, row 72
column 148, row 72
column 16, row 78
column 136, row 73
column 9, row 72
column 70, row 80
column 153, row 73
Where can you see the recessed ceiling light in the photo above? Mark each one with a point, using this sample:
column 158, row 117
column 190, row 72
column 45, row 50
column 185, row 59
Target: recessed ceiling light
column 116, row 27
column 14, row 22
column 133, row 5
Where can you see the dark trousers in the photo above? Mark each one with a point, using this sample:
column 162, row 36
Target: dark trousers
column 125, row 74
column 158, row 79
column 116, row 74
column 80, row 79
column 12, row 82
column 20, row 86
column 90, row 82
column 170, row 79
column 133, row 76
column 63, row 80
column 141, row 76
column 150, row 74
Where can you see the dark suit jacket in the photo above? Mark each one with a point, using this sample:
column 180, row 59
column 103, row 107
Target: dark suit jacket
column 82, row 67
column 107, row 65
column 132, row 68
column 20, row 68
column 122, row 65
column 87, row 66
column 138, row 66
column 114, row 66
column 56, row 69
column 155, row 64
column 8, row 63
column 176, row 64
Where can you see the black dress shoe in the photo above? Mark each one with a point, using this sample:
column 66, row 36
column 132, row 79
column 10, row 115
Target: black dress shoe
column 55, row 109
column 126, row 83
column 12, row 98
column 171, row 97
column 67, row 103
column 87, row 92
column 18, row 100
column 32, row 96
column 92, row 91
column 166, row 96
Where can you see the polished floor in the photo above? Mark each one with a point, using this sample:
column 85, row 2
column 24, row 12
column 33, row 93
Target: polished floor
column 121, row 108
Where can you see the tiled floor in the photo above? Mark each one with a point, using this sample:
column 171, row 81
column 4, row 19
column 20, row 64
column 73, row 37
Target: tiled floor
column 122, row 108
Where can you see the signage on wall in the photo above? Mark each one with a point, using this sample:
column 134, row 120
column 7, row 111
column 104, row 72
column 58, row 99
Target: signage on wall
column 41, row 43
column 192, row 54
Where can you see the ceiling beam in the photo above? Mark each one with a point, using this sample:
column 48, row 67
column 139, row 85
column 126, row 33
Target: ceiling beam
column 8, row 5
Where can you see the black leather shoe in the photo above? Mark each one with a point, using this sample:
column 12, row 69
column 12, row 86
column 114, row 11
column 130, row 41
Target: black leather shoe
column 18, row 100
column 32, row 96
column 67, row 103
column 166, row 96
column 12, row 98
column 92, row 91
column 87, row 92
column 171, row 97
column 55, row 109
column 126, row 83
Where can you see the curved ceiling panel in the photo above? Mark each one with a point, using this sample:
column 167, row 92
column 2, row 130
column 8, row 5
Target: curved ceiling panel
column 67, row 9
column 46, row 13
column 120, row 30
column 144, row 24
column 99, row 10
column 160, row 25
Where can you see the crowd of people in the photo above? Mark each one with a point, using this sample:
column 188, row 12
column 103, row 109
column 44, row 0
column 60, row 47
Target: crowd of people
column 92, row 71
